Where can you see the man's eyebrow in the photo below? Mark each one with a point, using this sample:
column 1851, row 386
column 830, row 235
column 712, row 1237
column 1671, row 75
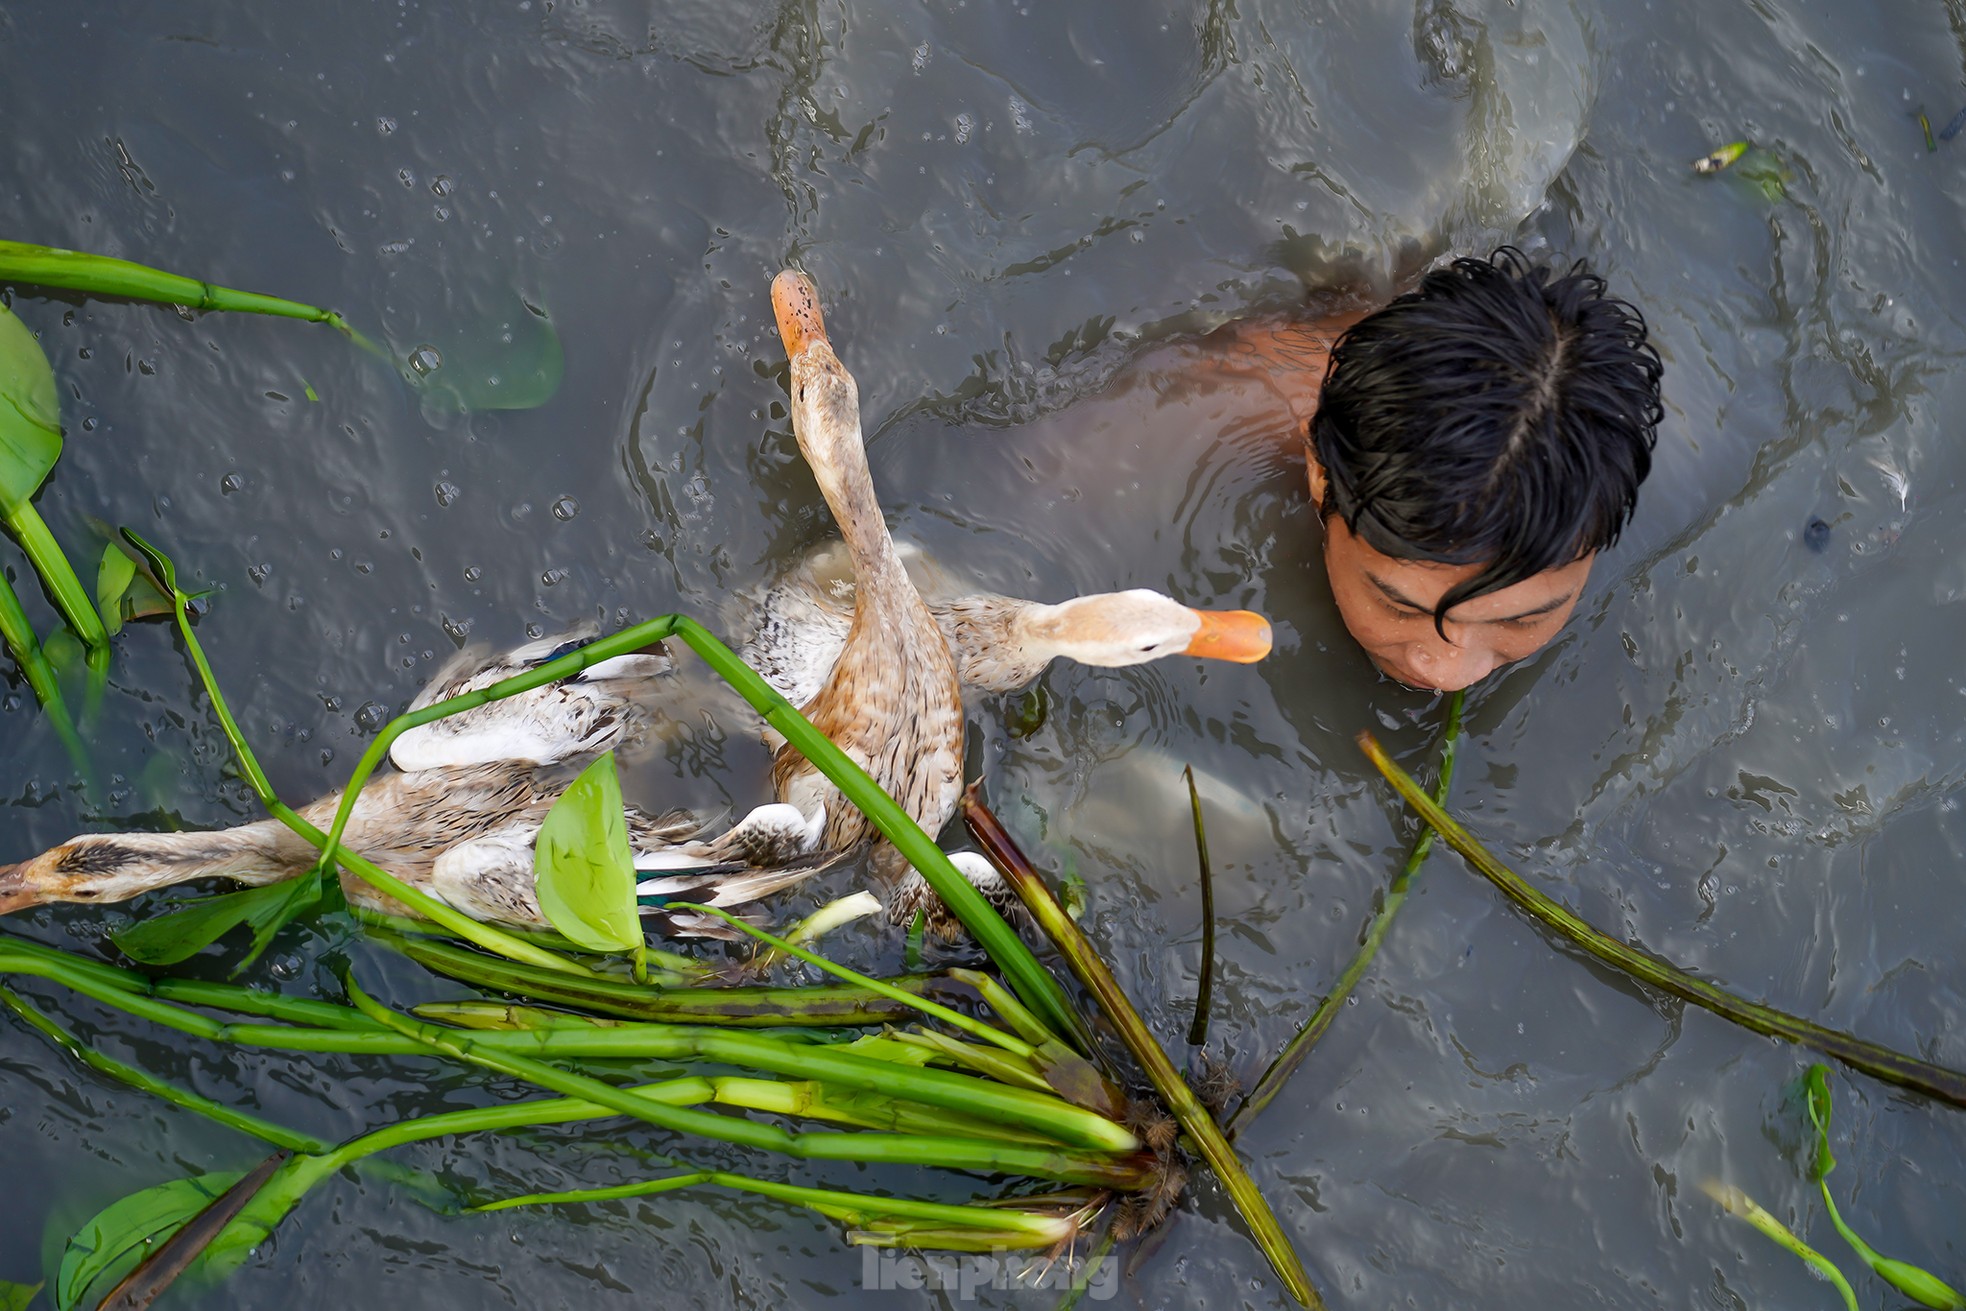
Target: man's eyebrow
column 1398, row 597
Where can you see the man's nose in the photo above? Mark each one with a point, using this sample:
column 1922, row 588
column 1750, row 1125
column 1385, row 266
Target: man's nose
column 1449, row 668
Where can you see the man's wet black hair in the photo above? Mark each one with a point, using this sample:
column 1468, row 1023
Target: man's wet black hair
column 1497, row 414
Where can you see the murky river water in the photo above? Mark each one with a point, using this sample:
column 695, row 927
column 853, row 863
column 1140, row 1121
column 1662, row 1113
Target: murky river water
column 1745, row 752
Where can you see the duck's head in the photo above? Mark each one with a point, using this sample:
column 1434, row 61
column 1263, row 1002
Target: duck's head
column 1115, row 629
column 89, row 869
column 825, row 400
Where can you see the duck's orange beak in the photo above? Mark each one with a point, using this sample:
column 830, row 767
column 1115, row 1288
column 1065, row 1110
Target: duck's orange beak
column 795, row 303
column 1239, row 635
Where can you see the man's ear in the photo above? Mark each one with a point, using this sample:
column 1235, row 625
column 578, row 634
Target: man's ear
column 1317, row 478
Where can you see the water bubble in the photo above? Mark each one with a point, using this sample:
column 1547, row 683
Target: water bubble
column 922, row 55
column 232, row 482
column 425, row 360
column 285, row 966
column 446, row 492
column 964, row 126
column 552, row 577
column 565, row 509
column 259, row 573
column 472, row 573
column 406, row 177
column 441, row 185
column 371, row 716
column 384, row 126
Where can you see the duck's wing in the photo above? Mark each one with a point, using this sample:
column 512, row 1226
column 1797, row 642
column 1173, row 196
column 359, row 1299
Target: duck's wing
column 576, row 716
column 771, row 849
column 798, row 639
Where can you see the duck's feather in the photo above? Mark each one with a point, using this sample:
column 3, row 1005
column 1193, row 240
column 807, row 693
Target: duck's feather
column 578, row 716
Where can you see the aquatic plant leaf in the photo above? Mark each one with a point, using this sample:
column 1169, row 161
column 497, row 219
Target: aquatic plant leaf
column 30, row 417
column 16, row 1297
column 1918, row 1284
column 1815, row 1094
column 114, row 575
column 515, row 363
column 1921, row 1286
column 176, row 935
column 1737, row 1203
column 124, row 1226
column 584, row 870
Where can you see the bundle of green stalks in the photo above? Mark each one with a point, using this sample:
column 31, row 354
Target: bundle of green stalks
column 983, row 1073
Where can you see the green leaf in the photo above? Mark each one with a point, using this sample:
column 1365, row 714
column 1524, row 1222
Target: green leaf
column 125, row 1226
column 30, row 417
column 1815, row 1092
column 15, row 1297
column 513, row 361
column 1920, row 1286
column 171, row 937
column 585, row 871
column 113, row 578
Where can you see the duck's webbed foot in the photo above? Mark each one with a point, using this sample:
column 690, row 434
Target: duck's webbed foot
column 909, row 894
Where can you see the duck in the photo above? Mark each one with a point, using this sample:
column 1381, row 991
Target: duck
column 795, row 632
column 462, row 832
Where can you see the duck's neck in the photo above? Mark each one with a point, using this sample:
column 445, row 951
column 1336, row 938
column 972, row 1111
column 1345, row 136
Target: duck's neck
column 1000, row 643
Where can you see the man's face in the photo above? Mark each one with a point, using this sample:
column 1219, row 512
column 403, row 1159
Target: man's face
column 1388, row 604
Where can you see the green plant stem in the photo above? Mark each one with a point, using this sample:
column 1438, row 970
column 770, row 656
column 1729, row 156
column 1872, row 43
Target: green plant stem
column 51, row 266
column 1299, row 1046
column 1181, row 1101
column 759, row 1007
column 408, row 926
column 244, row 1122
column 955, row 1019
column 18, row 634
column 70, row 597
column 1878, row 1061
column 395, row 1035
column 1037, row 1231
column 1735, row 1202
column 953, row 1153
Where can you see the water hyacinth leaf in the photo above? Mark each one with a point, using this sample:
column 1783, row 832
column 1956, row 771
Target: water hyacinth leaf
column 584, row 868
column 125, row 1226
column 16, row 1297
column 30, row 417
column 179, row 934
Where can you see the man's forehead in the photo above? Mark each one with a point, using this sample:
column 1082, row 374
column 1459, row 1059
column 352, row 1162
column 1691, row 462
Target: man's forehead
column 1420, row 584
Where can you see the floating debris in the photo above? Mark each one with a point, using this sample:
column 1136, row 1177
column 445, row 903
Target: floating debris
column 1925, row 124
column 1894, row 478
column 1720, row 158
column 1951, row 130
column 1815, row 535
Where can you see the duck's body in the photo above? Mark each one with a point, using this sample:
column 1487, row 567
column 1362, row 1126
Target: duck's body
column 578, row 716
column 464, row 834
